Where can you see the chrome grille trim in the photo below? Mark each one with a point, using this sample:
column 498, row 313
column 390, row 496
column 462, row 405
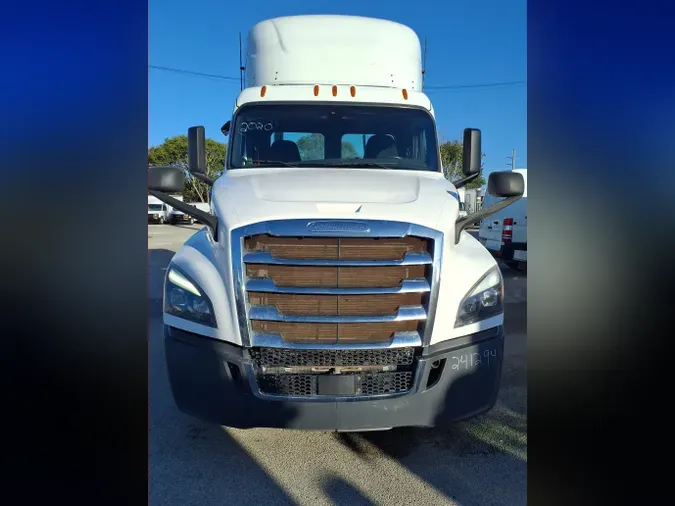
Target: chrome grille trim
column 400, row 340
column 268, row 286
column 270, row 313
column 331, row 228
column 408, row 259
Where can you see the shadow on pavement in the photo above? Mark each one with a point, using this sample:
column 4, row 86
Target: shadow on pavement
column 343, row 492
column 484, row 458
column 193, row 462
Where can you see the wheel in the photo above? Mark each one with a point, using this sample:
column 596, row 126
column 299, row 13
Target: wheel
column 161, row 220
column 192, row 222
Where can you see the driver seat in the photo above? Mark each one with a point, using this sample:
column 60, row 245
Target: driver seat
column 380, row 146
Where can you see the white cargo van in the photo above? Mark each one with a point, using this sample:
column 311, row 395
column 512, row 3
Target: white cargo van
column 158, row 211
column 504, row 234
column 334, row 286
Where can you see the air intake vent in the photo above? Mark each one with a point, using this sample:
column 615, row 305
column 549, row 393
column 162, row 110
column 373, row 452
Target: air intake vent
column 336, row 290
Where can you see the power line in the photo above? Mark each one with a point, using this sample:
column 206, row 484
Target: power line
column 192, row 73
column 430, row 88
column 473, row 86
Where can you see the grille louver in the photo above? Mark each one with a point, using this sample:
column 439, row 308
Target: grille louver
column 336, row 290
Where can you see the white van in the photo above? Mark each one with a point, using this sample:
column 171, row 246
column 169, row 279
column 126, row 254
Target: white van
column 158, row 211
column 504, row 233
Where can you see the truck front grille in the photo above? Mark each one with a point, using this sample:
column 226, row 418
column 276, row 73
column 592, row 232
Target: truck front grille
column 337, row 289
column 305, row 385
column 336, row 297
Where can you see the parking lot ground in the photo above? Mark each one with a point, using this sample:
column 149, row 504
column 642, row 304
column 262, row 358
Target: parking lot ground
column 477, row 462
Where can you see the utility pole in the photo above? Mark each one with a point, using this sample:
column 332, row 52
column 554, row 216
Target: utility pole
column 513, row 159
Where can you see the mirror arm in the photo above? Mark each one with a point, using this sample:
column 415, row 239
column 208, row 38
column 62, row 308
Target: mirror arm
column 462, row 223
column 464, row 181
column 206, row 218
column 203, row 177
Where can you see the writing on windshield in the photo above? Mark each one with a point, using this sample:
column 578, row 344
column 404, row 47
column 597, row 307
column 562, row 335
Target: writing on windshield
column 333, row 135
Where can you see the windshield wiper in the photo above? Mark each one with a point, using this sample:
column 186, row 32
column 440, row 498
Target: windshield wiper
column 267, row 163
column 359, row 165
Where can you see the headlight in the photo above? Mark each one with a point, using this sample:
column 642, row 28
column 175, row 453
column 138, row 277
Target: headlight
column 182, row 298
column 484, row 300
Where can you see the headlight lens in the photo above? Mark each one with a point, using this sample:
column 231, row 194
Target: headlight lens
column 484, row 300
column 183, row 298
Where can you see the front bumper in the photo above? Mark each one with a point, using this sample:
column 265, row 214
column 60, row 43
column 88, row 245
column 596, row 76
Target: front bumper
column 180, row 219
column 214, row 381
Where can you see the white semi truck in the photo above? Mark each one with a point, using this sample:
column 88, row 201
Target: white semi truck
column 333, row 286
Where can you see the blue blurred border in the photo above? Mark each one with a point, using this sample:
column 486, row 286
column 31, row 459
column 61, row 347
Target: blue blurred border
column 601, row 120
column 73, row 105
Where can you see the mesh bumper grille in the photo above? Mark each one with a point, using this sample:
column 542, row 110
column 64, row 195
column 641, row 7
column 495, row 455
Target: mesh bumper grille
column 284, row 357
column 305, row 385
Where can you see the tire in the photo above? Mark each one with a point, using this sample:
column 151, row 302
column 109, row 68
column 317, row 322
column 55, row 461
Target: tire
column 161, row 220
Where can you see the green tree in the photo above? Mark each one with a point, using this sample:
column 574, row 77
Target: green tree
column 451, row 159
column 173, row 152
column 348, row 150
column 311, row 147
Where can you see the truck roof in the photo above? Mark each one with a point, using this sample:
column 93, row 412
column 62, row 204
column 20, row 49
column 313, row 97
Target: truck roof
column 334, row 50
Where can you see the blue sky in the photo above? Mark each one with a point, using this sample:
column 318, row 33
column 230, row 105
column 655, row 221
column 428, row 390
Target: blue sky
column 469, row 42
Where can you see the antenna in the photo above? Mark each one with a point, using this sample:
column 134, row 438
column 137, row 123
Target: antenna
column 241, row 67
column 513, row 159
column 424, row 62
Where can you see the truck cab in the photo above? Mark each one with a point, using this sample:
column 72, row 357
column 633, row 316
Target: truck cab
column 334, row 286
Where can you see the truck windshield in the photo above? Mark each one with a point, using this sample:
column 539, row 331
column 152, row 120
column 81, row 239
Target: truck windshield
column 333, row 135
column 154, row 207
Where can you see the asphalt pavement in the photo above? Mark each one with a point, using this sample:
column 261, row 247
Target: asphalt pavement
column 478, row 462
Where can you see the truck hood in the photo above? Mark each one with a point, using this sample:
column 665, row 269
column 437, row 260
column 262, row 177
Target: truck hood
column 246, row 196
column 336, row 186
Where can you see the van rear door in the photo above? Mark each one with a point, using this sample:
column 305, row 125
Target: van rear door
column 520, row 235
column 490, row 230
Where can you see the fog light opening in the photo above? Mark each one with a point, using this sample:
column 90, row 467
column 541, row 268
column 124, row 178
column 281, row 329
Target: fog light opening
column 234, row 374
column 435, row 372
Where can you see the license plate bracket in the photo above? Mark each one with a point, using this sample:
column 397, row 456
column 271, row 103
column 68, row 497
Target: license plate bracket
column 336, row 384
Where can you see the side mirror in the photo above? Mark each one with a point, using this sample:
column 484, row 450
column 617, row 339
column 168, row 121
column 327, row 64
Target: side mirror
column 225, row 129
column 471, row 154
column 166, row 179
column 506, row 184
column 196, row 150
